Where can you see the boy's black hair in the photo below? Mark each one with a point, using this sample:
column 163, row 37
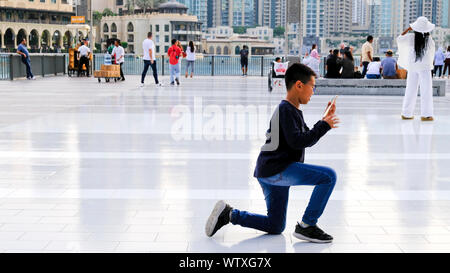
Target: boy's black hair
column 376, row 59
column 277, row 59
column 174, row 41
column 298, row 72
column 150, row 34
column 335, row 52
column 369, row 38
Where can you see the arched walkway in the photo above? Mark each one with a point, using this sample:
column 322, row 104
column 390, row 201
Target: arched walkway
column 45, row 40
column 237, row 50
column 56, row 39
column 130, row 27
column 67, row 40
column 211, row 50
column 10, row 38
column 33, row 40
column 21, row 35
column 219, row 50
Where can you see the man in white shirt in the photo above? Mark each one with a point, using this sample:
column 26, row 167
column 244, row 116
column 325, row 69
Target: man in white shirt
column 149, row 59
column 119, row 54
column 366, row 54
column 83, row 58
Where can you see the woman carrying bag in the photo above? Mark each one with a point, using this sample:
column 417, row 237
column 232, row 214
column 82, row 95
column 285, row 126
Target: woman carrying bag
column 416, row 54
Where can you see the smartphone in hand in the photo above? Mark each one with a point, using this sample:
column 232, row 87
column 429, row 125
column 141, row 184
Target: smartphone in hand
column 329, row 107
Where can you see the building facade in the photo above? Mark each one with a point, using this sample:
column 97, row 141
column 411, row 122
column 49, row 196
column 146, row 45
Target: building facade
column 338, row 17
column 432, row 9
column 360, row 13
column 262, row 33
column 166, row 26
column 233, row 45
column 198, row 8
column 44, row 23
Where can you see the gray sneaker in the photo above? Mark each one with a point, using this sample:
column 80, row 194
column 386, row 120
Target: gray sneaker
column 220, row 216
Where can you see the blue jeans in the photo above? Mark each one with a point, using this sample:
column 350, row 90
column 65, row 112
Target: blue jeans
column 27, row 63
column 276, row 193
column 190, row 64
column 147, row 63
column 373, row 76
column 174, row 72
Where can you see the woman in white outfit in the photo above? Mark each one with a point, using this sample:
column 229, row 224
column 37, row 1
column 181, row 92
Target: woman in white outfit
column 190, row 51
column 416, row 54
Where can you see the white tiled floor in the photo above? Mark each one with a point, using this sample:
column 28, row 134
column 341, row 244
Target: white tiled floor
column 88, row 167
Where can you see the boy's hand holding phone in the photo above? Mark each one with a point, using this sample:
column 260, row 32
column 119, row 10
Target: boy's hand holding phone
column 329, row 115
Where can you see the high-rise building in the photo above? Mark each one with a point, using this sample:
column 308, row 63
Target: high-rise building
column 271, row 13
column 243, row 13
column 386, row 18
column 313, row 18
column 444, row 15
column 198, row 8
column 338, row 17
column 432, row 9
column 360, row 12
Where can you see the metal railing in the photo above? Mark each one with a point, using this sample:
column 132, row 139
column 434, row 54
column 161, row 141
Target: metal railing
column 207, row 65
column 11, row 65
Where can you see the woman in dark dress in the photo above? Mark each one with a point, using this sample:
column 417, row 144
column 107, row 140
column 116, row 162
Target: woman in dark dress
column 348, row 65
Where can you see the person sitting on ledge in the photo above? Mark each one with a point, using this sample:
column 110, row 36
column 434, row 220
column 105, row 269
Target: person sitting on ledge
column 374, row 69
column 333, row 66
column 348, row 65
column 389, row 66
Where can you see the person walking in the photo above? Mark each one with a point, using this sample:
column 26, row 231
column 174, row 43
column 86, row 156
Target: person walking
column 280, row 165
column 119, row 54
column 23, row 51
column 366, row 55
column 439, row 58
column 84, row 58
column 190, row 58
column 149, row 58
column 174, row 54
column 244, row 60
column 416, row 54
column 447, row 62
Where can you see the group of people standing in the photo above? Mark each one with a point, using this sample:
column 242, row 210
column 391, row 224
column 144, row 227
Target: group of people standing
column 175, row 54
column 442, row 60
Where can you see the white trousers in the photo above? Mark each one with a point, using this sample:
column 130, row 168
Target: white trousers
column 415, row 80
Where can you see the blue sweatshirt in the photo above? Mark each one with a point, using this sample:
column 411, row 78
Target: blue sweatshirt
column 293, row 137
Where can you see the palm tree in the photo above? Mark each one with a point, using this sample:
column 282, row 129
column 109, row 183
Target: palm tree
column 144, row 4
column 130, row 5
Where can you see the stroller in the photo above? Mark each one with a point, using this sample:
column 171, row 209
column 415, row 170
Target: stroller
column 277, row 72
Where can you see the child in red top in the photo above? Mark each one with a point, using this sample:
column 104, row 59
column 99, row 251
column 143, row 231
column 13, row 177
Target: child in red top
column 174, row 54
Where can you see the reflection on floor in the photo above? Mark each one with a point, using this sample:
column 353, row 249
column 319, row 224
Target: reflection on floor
column 112, row 167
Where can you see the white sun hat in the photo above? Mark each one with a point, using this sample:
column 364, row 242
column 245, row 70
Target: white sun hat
column 422, row 25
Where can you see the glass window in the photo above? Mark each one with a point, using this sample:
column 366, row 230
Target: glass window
column 166, row 48
column 166, row 28
column 157, row 28
column 157, row 49
column 166, row 38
